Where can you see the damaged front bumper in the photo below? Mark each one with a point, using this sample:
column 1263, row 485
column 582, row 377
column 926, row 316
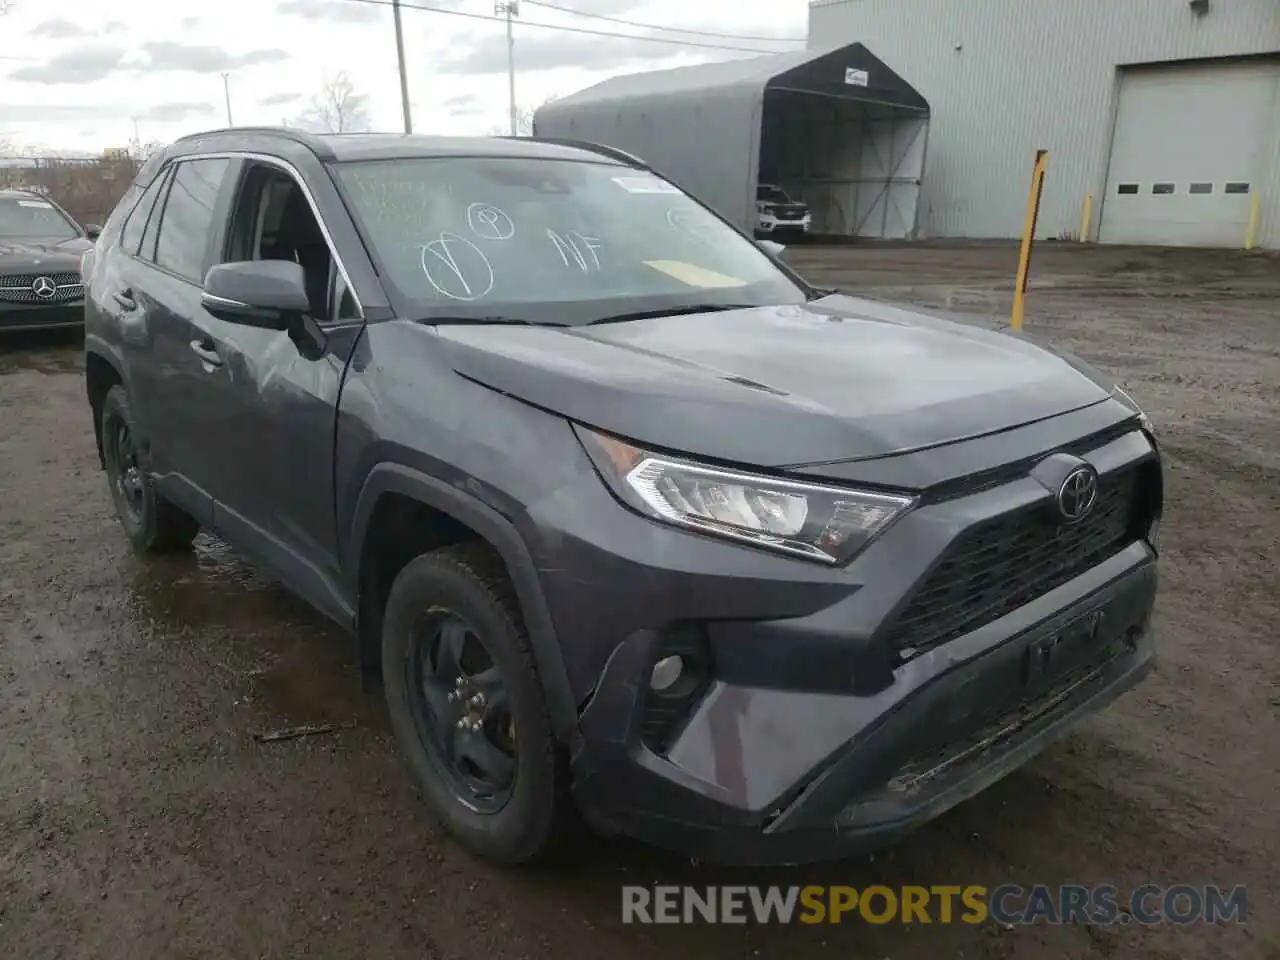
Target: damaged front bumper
column 777, row 776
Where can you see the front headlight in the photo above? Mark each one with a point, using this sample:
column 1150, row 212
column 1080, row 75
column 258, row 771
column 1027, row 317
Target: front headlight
column 1128, row 401
column 818, row 522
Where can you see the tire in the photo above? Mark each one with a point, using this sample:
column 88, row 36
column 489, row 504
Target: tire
column 469, row 582
column 152, row 524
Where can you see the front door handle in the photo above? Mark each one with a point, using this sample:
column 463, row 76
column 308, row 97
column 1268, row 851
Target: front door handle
column 125, row 299
column 208, row 355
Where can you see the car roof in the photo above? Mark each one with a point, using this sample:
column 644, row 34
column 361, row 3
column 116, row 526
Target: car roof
column 12, row 193
column 386, row 146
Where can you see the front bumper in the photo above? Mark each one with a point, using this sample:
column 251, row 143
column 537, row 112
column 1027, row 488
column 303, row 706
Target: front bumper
column 770, row 224
column 814, row 737
column 939, row 735
column 17, row 317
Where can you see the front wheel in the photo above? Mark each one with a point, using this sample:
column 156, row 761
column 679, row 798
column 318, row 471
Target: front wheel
column 467, row 706
column 153, row 524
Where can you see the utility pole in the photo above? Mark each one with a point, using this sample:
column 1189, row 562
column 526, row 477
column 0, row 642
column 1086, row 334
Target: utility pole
column 512, row 9
column 404, row 74
column 226, row 93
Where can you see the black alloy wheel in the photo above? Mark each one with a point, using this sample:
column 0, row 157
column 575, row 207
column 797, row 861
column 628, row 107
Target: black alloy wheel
column 462, row 710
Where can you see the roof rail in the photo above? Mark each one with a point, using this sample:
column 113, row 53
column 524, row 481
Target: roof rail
column 309, row 140
column 603, row 149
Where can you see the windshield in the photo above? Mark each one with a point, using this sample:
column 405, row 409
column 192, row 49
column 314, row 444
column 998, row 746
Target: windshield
column 772, row 194
column 31, row 217
column 552, row 241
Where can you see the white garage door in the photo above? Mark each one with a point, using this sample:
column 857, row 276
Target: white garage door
column 1190, row 147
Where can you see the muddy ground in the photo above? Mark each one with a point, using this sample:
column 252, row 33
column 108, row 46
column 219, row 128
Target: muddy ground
column 139, row 818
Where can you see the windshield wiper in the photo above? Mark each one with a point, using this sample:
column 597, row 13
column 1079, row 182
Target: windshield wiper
column 821, row 293
column 675, row 311
column 496, row 320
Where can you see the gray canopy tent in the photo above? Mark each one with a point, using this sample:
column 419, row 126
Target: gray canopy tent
column 836, row 128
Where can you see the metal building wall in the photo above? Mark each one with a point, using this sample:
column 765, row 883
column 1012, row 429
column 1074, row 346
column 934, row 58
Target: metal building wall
column 1004, row 77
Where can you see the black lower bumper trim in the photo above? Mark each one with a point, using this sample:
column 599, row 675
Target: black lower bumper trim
column 873, row 822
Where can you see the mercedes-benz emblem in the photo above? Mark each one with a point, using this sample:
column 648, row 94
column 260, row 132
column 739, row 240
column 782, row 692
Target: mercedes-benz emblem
column 44, row 287
column 1078, row 493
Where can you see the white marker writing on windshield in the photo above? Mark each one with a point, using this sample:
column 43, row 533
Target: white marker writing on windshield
column 489, row 222
column 446, row 252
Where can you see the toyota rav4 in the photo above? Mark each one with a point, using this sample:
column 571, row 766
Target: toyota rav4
column 631, row 520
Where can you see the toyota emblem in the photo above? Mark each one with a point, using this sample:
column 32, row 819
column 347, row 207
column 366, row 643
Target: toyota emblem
column 1078, row 493
column 44, row 287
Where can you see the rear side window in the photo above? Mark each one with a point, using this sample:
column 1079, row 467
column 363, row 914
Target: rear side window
column 186, row 225
column 148, row 249
column 131, row 236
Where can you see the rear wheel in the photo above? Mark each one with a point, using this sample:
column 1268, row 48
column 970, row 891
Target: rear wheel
column 153, row 524
column 467, row 706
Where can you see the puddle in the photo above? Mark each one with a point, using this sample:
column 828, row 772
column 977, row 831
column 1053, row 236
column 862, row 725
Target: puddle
column 279, row 656
column 50, row 351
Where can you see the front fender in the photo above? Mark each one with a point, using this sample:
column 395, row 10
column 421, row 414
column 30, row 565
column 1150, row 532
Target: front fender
column 502, row 535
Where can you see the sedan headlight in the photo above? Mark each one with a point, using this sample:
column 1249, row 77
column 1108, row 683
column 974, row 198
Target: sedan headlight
column 818, row 522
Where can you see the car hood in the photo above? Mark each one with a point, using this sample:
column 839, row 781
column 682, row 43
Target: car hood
column 37, row 254
column 837, row 379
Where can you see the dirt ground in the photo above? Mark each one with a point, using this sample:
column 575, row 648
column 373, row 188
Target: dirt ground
column 139, row 818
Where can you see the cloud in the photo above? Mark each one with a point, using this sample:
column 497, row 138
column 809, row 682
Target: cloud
column 464, row 104
column 82, row 65
column 355, row 11
column 177, row 110
column 344, row 11
column 59, row 29
column 189, row 22
column 167, row 55
column 487, row 53
column 90, row 64
column 279, row 99
column 113, row 26
column 60, row 112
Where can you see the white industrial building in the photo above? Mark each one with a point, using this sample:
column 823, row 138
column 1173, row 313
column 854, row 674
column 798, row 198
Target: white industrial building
column 1167, row 112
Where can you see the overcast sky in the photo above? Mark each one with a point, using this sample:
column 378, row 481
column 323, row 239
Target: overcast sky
column 78, row 73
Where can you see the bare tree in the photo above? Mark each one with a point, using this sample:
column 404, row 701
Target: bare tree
column 524, row 121
column 337, row 108
column 140, row 151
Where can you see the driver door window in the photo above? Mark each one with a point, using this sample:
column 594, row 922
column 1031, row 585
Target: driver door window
column 273, row 220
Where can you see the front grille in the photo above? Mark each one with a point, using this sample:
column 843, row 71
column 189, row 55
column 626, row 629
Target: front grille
column 20, row 288
column 61, row 295
column 997, row 566
column 60, row 279
column 788, row 211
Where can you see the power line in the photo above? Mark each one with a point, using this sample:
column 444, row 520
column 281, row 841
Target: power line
column 654, row 26
column 565, row 29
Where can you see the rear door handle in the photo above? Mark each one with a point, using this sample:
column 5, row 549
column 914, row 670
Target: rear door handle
column 125, row 299
column 204, row 349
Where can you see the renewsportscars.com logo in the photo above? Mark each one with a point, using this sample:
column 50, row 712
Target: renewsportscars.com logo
column 1008, row 904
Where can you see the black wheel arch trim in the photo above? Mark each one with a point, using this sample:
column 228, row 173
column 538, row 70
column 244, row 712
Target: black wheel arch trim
column 506, row 540
column 96, row 346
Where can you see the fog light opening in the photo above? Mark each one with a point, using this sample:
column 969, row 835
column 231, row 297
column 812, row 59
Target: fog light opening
column 667, row 673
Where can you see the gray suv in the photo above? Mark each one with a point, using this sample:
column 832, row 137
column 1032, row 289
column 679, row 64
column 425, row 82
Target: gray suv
column 632, row 522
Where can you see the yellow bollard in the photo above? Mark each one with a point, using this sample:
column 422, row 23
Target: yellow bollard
column 1251, row 231
column 1086, row 218
column 1028, row 236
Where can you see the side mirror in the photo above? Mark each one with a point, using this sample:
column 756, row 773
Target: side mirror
column 772, row 247
column 257, row 293
column 92, row 231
